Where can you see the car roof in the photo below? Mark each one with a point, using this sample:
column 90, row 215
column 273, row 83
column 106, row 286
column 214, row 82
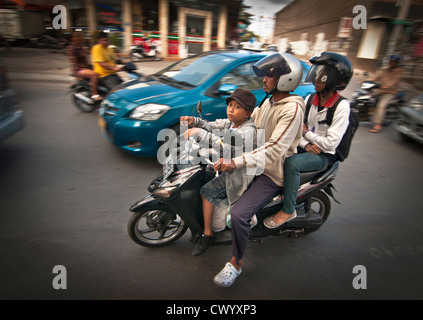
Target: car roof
column 235, row 53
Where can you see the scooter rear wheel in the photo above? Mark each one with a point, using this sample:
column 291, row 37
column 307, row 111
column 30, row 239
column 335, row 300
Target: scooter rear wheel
column 155, row 228
column 319, row 203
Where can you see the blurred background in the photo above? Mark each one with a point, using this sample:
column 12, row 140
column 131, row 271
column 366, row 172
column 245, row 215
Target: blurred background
column 183, row 27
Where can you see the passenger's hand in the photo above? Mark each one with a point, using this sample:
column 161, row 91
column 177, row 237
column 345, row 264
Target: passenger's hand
column 312, row 148
column 189, row 119
column 192, row 132
column 223, row 165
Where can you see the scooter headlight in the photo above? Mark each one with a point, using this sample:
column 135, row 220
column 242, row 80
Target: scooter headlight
column 167, row 187
column 165, row 192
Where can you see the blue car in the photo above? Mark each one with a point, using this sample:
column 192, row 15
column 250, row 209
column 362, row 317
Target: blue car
column 135, row 112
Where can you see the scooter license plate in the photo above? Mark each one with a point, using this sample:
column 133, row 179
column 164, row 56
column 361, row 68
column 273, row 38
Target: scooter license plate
column 169, row 167
column 102, row 123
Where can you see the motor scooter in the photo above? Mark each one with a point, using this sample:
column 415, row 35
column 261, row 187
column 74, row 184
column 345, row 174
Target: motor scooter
column 174, row 205
column 365, row 99
column 145, row 49
column 81, row 90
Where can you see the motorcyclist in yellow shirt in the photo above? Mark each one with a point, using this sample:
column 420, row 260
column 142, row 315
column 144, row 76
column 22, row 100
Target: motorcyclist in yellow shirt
column 104, row 62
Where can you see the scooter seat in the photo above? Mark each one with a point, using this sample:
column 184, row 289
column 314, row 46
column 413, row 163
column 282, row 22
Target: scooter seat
column 311, row 175
column 317, row 176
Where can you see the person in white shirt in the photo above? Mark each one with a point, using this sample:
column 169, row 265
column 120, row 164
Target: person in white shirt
column 331, row 72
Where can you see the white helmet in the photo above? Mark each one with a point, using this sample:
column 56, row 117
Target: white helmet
column 283, row 65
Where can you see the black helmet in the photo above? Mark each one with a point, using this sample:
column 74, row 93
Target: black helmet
column 339, row 70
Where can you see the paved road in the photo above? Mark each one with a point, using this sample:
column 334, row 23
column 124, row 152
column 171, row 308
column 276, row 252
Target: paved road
column 64, row 199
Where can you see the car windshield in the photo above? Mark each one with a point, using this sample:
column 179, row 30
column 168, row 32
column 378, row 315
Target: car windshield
column 194, row 71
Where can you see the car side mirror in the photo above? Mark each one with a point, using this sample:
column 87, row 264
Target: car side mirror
column 200, row 109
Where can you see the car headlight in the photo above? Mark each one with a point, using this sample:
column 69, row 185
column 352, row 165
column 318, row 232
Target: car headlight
column 149, row 111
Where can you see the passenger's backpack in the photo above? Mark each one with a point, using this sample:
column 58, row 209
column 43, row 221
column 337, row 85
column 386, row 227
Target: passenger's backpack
column 344, row 146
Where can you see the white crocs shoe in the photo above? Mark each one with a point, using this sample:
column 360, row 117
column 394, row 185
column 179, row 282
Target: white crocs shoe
column 227, row 276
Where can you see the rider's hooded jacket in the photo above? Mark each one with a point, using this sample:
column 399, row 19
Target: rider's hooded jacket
column 218, row 134
column 282, row 122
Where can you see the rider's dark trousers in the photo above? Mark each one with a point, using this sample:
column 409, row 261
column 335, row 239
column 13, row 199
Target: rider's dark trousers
column 261, row 190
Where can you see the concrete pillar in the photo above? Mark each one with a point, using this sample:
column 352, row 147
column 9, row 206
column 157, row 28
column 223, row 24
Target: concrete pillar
column 398, row 28
column 164, row 26
column 68, row 17
column 208, row 31
column 222, row 26
column 182, row 32
column 127, row 24
column 137, row 10
column 91, row 18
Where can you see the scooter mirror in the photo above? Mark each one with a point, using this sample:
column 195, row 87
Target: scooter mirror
column 199, row 109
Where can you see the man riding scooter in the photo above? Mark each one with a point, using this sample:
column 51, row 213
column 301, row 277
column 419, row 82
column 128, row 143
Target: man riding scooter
column 282, row 118
column 389, row 79
column 103, row 62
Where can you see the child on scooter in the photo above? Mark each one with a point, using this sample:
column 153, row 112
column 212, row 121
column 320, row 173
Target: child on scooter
column 227, row 186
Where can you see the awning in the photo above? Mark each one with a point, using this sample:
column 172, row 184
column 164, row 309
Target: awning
column 19, row 2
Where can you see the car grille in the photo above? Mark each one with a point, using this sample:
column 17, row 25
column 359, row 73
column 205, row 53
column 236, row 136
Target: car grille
column 114, row 104
column 109, row 108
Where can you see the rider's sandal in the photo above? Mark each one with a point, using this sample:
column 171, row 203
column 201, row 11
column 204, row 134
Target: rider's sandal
column 376, row 129
column 227, row 276
column 270, row 224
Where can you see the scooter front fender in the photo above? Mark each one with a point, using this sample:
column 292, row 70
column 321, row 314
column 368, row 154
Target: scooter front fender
column 147, row 203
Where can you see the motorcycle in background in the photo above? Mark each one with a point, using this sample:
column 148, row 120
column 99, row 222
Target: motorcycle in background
column 81, row 90
column 365, row 99
column 145, row 49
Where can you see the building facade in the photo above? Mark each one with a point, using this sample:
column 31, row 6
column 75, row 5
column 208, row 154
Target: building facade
column 179, row 26
column 366, row 31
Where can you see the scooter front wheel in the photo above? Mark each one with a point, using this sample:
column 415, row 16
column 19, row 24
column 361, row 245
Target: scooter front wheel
column 80, row 99
column 155, row 228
